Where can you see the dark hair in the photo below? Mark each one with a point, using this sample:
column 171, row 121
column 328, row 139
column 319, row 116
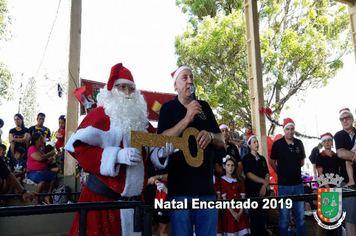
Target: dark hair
column 41, row 114
column 62, row 117
column 231, row 122
column 3, row 146
column 1, row 123
column 234, row 174
column 21, row 117
column 20, row 150
column 34, row 138
column 248, row 148
column 48, row 148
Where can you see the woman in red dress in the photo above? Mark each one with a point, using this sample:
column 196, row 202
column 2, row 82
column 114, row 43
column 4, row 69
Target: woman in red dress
column 235, row 221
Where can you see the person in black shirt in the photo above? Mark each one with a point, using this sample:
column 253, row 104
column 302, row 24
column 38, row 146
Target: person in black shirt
column 18, row 136
column 327, row 161
column 256, row 183
column 40, row 128
column 288, row 152
column 228, row 149
column 186, row 182
column 345, row 140
column 315, row 151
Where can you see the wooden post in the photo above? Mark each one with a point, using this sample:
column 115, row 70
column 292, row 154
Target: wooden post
column 255, row 74
column 352, row 13
column 73, row 83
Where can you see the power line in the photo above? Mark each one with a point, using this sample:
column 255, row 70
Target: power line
column 296, row 132
column 49, row 37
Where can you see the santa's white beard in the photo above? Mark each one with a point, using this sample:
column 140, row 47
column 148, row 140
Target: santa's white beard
column 128, row 112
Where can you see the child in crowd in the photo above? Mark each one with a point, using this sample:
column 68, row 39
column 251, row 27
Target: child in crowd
column 60, row 140
column 19, row 166
column 51, row 162
column 5, row 158
column 4, row 186
column 235, row 221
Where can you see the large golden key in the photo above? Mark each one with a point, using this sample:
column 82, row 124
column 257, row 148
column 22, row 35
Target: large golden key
column 140, row 139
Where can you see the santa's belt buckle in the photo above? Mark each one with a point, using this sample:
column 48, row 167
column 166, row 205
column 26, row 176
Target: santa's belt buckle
column 140, row 139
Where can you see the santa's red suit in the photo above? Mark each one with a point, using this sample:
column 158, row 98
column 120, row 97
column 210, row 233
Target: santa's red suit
column 96, row 146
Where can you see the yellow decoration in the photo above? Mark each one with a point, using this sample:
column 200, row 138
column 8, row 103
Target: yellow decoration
column 156, row 107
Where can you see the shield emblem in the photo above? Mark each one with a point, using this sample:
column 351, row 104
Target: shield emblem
column 329, row 204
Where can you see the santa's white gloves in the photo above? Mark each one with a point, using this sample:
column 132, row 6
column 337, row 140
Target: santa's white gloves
column 166, row 151
column 162, row 187
column 129, row 156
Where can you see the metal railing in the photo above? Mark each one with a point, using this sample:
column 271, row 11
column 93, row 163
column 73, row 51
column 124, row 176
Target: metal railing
column 142, row 213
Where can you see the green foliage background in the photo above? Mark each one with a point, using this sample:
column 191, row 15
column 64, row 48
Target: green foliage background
column 5, row 74
column 302, row 43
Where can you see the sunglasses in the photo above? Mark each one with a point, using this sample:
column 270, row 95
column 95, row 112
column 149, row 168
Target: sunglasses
column 344, row 118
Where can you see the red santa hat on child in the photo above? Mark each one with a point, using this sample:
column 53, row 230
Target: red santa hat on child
column 248, row 139
column 287, row 122
column 326, row 136
column 223, row 125
column 345, row 110
column 120, row 75
column 177, row 72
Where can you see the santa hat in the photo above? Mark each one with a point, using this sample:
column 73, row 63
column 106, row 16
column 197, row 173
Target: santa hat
column 345, row 110
column 177, row 72
column 248, row 139
column 120, row 75
column 223, row 125
column 287, row 122
column 326, row 136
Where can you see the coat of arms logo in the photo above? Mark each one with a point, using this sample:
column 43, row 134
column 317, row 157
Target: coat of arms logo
column 329, row 202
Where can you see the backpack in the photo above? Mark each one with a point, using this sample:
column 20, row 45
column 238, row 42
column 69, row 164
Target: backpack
column 60, row 199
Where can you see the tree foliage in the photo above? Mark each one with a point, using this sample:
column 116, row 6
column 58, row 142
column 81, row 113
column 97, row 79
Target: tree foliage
column 5, row 83
column 301, row 45
column 5, row 19
column 217, row 54
column 5, row 74
column 29, row 105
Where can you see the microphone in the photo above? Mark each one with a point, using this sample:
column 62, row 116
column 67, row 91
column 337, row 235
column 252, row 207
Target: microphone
column 192, row 93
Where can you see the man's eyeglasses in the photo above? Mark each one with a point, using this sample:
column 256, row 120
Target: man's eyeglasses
column 344, row 118
column 123, row 87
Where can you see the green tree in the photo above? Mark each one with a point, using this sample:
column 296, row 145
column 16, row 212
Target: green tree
column 216, row 51
column 301, row 46
column 28, row 102
column 5, row 74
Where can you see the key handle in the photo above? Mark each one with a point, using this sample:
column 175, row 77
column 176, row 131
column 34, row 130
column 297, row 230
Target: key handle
column 140, row 139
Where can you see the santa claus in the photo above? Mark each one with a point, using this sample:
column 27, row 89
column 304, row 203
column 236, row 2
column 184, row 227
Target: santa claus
column 101, row 145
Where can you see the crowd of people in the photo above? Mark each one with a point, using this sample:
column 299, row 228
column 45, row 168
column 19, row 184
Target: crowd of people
column 29, row 158
column 231, row 167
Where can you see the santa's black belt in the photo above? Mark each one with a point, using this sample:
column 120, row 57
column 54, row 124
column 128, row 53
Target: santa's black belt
column 97, row 186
